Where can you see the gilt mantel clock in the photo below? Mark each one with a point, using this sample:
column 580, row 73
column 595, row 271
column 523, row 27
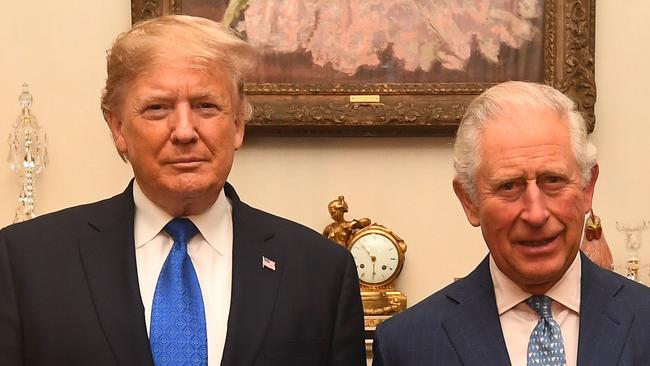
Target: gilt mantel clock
column 379, row 255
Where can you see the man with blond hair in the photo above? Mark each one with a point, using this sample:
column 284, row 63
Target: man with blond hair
column 176, row 270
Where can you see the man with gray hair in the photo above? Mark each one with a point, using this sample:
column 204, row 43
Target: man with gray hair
column 525, row 174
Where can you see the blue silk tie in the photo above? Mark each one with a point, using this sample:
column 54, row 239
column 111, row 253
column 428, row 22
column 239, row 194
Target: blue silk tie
column 178, row 333
column 546, row 346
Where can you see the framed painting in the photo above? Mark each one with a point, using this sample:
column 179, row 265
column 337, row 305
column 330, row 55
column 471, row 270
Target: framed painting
column 398, row 67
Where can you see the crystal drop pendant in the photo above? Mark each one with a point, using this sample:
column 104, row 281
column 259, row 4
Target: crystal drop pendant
column 27, row 154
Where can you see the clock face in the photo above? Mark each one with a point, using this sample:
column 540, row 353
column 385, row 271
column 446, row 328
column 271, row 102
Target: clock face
column 376, row 257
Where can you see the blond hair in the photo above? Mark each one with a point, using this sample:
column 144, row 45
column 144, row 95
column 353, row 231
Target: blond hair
column 207, row 44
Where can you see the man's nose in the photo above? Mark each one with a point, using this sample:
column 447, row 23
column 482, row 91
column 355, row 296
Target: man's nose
column 183, row 124
column 535, row 210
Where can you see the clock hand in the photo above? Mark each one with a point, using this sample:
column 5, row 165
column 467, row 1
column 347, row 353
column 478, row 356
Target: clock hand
column 366, row 249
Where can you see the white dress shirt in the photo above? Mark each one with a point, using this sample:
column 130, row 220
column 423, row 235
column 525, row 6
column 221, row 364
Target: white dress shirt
column 518, row 320
column 211, row 254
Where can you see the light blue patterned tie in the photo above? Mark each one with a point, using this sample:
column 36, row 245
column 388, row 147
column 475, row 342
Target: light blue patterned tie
column 545, row 346
column 178, row 333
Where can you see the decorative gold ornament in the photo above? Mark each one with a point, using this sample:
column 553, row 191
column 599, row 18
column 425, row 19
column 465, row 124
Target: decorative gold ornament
column 379, row 256
column 594, row 244
column 340, row 230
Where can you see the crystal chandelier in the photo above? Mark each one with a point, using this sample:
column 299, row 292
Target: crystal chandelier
column 27, row 154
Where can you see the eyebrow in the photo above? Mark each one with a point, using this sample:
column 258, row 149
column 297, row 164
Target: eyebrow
column 206, row 95
column 505, row 178
column 515, row 175
column 155, row 95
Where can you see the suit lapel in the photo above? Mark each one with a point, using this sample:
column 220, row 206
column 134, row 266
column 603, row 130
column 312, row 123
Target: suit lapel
column 604, row 322
column 474, row 329
column 108, row 257
column 254, row 288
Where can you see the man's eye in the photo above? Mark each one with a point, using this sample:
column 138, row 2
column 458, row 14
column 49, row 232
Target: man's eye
column 155, row 111
column 207, row 109
column 206, row 105
column 552, row 180
column 511, row 189
column 552, row 183
column 155, row 107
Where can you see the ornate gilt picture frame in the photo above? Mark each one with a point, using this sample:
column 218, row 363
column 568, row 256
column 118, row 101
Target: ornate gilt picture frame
column 352, row 106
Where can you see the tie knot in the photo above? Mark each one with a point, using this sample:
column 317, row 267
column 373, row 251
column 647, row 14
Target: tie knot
column 541, row 304
column 181, row 229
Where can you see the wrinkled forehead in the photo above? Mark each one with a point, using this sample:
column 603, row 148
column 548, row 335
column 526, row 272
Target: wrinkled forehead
column 520, row 125
column 156, row 69
column 522, row 131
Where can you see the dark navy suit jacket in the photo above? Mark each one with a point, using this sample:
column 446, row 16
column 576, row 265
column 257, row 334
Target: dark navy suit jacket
column 69, row 292
column 459, row 325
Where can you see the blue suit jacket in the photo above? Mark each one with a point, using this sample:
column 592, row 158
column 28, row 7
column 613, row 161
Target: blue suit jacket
column 459, row 325
column 69, row 292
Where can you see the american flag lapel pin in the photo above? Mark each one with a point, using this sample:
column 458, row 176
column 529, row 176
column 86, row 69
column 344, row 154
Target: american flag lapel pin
column 267, row 263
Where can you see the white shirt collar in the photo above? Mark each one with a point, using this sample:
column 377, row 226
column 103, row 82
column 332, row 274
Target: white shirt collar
column 566, row 291
column 151, row 219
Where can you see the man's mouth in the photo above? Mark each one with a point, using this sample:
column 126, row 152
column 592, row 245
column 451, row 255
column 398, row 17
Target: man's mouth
column 185, row 160
column 538, row 242
column 186, row 163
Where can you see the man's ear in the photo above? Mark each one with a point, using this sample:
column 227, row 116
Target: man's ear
column 470, row 208
column 590, row 187
column 240, row 122
column 240, row 128
column 115, row 124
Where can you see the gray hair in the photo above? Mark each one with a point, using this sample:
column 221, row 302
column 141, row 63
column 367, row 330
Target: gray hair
column 493, row 103
column 206, row 43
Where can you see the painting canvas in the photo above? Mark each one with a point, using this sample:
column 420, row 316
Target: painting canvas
column 399, row 67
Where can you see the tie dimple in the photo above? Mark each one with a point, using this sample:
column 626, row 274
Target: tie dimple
column 181, row 229
column 541, row 304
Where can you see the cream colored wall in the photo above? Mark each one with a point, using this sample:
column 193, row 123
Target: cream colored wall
column 404, row 183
